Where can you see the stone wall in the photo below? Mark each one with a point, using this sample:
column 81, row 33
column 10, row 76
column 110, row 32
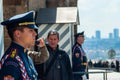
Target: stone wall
column 36, row 4
column 11, row 8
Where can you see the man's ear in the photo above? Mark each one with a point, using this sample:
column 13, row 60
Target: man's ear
column 17, row 33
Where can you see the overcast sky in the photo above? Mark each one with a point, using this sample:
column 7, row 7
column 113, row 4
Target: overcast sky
column 103, row 15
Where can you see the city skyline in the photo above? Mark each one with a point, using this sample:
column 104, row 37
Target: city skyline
column 100, row 15
column 114, row 34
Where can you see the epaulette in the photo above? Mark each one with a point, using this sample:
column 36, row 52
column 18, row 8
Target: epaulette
column 12, row 54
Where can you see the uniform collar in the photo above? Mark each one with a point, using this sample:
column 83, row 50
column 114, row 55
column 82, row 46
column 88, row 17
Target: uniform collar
column 19, row 47
column 78, row 44
column 49, row 48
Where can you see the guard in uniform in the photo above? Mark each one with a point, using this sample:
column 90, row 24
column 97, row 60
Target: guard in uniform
column 79, row 58
column 15, row 63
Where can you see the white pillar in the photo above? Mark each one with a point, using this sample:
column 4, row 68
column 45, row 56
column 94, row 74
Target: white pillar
column 1, row 30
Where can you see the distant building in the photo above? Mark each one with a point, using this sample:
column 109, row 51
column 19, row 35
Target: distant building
column 116, row 33
column 98, row 34
column 110, row 35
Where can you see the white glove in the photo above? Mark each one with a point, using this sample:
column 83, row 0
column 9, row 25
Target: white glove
column 84, row 77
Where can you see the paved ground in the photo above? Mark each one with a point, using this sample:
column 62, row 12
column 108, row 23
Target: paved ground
column 100, row 76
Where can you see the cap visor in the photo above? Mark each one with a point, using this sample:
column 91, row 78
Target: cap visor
column 33, row 26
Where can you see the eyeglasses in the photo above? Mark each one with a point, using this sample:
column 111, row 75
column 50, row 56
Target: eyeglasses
column 53, row 32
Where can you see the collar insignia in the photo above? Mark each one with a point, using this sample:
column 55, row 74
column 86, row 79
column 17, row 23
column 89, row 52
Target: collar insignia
column 13, row 53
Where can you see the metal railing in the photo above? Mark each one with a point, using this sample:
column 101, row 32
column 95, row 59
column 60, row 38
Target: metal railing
column 106, row 70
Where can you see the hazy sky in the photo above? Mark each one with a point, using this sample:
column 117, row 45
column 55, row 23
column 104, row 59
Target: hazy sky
column 103, row 15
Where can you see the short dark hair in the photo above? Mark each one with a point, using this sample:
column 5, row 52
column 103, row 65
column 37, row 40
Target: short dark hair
column 53, row 32
column 13, row 29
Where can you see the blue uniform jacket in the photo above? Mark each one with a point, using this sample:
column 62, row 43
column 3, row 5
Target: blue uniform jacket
column 11, row 67
column 78, row 61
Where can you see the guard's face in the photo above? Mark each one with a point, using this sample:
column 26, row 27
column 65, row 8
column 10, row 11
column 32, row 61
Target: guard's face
column 53, row 41
column 27, row 37
column 80, row 39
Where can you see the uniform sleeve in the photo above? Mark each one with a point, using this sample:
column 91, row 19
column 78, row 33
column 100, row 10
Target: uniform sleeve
column 10, row 70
